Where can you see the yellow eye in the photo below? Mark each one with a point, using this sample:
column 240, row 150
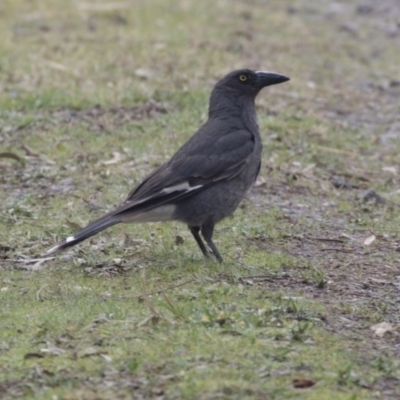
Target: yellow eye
column 243, row 78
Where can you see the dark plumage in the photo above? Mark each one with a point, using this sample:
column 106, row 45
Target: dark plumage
column 210, row 174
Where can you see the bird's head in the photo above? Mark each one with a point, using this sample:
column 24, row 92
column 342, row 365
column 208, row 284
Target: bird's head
column 247, row 81
column 241, row 85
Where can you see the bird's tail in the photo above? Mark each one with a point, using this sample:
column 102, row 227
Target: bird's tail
column 90, row 230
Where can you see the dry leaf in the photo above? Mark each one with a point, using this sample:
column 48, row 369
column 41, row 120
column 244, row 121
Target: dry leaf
column 260, row 182
column 308, row 170
column 345, row 235
column 392, row 170
column 205, row 319
column 382, row 328
column 13, row 156
column 104, row 7
column 301, row 383
column 88, row 352
column 60, row 67
column 33, row 355
column 369, row 240
column 105, row 357
column 143, row 73
column 179, row 240
column 117, row 157
column 53, row 350
column 73, row 225
column 29, row 151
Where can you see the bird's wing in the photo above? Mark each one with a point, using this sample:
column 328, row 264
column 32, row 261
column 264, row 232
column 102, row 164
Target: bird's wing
column 199, row 163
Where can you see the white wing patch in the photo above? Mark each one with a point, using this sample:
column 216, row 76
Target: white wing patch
column 184, row 186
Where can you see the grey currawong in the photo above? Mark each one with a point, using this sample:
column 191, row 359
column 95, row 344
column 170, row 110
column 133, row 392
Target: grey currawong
column 210, row 174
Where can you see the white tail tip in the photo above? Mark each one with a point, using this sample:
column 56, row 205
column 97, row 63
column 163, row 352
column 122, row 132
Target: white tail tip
column 60, row 245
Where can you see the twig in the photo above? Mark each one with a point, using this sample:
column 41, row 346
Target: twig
column 337, row 249
column 325, row 239
column 141, row 296
column 335, row 151
column 314, row 238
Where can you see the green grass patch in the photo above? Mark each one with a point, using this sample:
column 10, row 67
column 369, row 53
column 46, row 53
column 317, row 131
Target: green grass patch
column 94, row 95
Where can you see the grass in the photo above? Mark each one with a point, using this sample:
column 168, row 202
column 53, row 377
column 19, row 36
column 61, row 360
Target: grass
column 94, row 96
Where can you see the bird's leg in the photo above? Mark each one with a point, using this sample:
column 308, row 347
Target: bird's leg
column 195, row 232
column 207, row 232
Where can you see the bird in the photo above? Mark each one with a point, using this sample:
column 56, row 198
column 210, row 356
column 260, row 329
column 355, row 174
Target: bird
column 207, row 178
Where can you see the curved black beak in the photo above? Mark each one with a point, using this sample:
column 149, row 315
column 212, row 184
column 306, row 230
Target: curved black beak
column 266, row 78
